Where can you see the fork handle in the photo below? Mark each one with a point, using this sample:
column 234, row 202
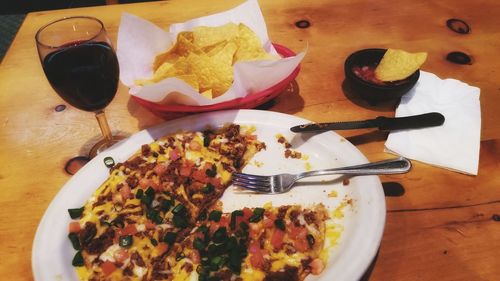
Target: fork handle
column 393, row 166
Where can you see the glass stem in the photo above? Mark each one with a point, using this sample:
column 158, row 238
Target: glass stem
column 103, row 124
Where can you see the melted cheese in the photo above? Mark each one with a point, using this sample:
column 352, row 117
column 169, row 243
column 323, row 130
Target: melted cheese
column 83, row 273
column 180, row 274
column 142, row 245
column 282, row 259
column 155, row 146
column 332, row 235
column 108, row 255
column 139, row 271
column 249, row 274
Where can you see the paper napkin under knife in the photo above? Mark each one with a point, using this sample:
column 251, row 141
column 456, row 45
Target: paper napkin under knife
column 455, row 144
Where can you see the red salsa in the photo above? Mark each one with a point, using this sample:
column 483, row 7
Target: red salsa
column 367, row 73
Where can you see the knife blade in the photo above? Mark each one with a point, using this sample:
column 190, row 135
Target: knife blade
column 431, row 119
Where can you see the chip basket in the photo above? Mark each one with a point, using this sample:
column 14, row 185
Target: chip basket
column 169, row 111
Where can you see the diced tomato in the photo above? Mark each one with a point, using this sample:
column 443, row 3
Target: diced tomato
column 297, row 232
column 247, row 213
column 150, row 225
column 160, row 169
column 108, row 268
column 213, row 227
column 145, row 183
column 317, row 266
column 367, row 73
column 121, row 255
column 129, row 230
column 186, row 169
column 74, row 227
column 268, row 223
column 157, row 187
column 195, row 257
column 174, row 154
column 277, row 238
column 200, row 175
column 161, row 248
column 256, row 256
column 301, row 245
column 117, row 237
column 197, row 186
column 224, row 220
column 194, row 145
column 215, row 182
column 125, row 192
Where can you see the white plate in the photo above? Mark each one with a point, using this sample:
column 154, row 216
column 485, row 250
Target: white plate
column 363, row 220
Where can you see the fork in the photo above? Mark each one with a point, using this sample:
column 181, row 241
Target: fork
column 284, row 182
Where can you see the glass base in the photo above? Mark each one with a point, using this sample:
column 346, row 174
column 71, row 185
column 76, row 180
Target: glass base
column 104, row 144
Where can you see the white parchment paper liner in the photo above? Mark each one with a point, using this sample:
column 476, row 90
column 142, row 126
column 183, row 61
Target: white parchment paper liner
column 139, row 41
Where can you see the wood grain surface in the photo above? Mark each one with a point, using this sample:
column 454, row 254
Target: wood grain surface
column 440, row 224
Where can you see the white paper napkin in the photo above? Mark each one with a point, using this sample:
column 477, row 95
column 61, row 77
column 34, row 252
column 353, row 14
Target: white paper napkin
column 139, row 41
column 455, row 144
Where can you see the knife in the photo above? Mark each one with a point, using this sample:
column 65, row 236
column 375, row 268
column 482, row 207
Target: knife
column 383, row 123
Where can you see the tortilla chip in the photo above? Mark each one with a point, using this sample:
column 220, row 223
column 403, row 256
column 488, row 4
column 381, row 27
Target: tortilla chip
column 206, row 35
column 204, row 57
column 398, row 65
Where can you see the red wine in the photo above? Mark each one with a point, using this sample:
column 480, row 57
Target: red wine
column 84, row 74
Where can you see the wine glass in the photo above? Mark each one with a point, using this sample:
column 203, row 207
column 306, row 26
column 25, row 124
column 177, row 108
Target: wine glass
column 81, row 66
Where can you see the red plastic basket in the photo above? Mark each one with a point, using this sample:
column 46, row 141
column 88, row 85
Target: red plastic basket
column 251, row 101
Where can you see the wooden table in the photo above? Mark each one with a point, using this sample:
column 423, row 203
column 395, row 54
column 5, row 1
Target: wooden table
column 441, row 225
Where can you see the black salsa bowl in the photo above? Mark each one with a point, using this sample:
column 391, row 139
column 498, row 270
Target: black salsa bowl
column 358, row 67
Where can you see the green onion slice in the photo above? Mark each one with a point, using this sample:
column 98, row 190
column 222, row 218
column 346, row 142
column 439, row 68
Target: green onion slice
column 203, row 229
column 310, row 240
column 75, row 241
column 78, row 259
column 198, row 244
column 279, row 223
column 179, row 209
column 207, row 188
column 212, row 172
column 180, row 221
column 258, row 214
column 75, row 213
column 148, row 196
column 166, row 205
column 109, row 162
column 234, row 215
column 215, row 215
column 220, row 235
column 125, row 241
column 154, row 216
column 170, row 237
column 139, row 194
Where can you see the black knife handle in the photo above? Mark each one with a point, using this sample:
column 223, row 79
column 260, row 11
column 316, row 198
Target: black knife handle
column 411, row 122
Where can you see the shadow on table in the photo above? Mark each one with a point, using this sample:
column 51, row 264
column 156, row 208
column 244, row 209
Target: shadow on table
column 393, row 189
column 289, row 101
column 382, row 106
column 368, row 137
column 369, row 270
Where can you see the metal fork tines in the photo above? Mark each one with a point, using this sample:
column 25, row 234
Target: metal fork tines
column 284, row 182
